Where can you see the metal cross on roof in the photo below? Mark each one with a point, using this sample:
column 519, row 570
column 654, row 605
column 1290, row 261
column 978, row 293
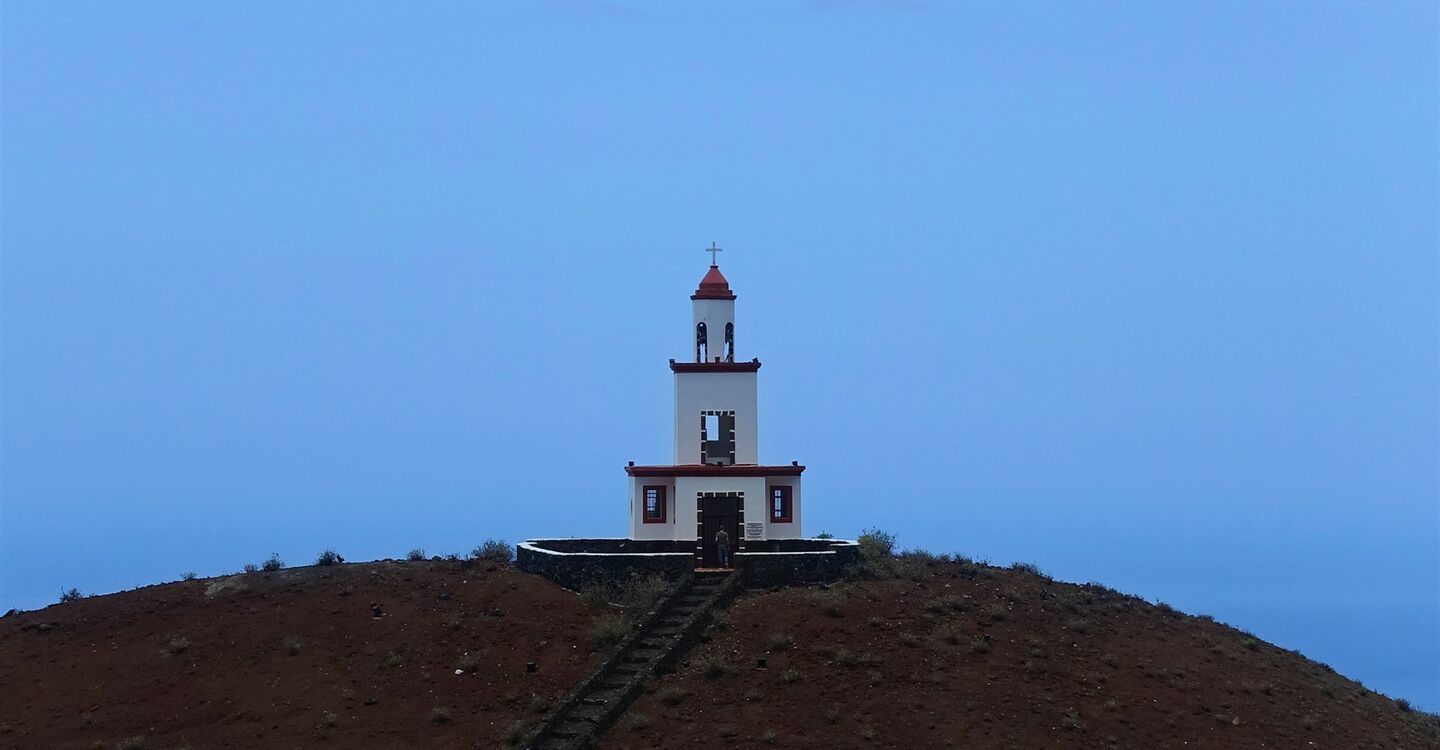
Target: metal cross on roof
column 712, row 250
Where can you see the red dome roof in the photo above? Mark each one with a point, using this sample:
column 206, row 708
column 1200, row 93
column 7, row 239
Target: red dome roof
column 713, row 286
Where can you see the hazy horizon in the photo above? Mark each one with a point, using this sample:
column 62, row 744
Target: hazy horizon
column 1144, row 295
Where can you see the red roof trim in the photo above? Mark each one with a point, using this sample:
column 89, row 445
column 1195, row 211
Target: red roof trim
column 702, row 470
column 713, row 286
column 750, row 366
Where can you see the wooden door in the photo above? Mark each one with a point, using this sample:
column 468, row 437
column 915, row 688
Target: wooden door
column 718, row 511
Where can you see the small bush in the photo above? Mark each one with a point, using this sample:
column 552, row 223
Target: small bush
column 769, row 736
column 636, row 594
column 493, row 550
column 1251, row 644
column 131, row 743
column 715, row 668
column 1079, row 626
column 393, row 660
column 1029, row 568
column 177, row 645
column 847, row 658
column 328, row 719
column 994, row 613
column 954, row 603
column 251, row 568
column 70, row 595
column 789, row 676
column 828, row 601
column 1403, row 705
column 515, row 732
column 951, row 635
column 440, row 714
column 538, row 704
column 824, row 535
column 909, row 639
column 292, row 645
column 467, row 663
column 415, row 555
column 273, row 564
column 875, row 543
column 329, row 557
column 877, row 557
column 188, row 575
column 595, row 595
column 636, row 722
column 925, row 557
column 609, row 630
column 779, row 641
column 670, row 696
column 979, row 646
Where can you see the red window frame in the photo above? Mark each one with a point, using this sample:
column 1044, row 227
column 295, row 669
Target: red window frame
column 659, row 515
column 782, row 503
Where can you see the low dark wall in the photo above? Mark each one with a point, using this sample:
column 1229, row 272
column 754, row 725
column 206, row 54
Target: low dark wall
column 783, row 566
column 613, row 546
column 575, row 563
column 575, row 571
column 794, row 545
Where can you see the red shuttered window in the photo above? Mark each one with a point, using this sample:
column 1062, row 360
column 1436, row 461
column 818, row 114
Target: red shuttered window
column 781, row 509
column 652, row 500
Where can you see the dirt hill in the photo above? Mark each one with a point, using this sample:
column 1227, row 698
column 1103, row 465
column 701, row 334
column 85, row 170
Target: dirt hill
column 295, row 659
column 959, row 655
column 944, row 654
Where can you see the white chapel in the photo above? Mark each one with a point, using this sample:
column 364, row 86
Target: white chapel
column 716, row 480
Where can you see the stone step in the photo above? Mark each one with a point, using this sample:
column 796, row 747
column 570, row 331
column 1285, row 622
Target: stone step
column 601, row 695
column 589, row 714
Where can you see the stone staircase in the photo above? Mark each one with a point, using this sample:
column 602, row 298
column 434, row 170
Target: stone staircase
column 656, row 644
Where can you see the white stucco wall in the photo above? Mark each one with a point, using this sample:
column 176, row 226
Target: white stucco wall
column 782, row 530
column 681, row 494
column 716, row 391
column 714, row 313
column 641, row 530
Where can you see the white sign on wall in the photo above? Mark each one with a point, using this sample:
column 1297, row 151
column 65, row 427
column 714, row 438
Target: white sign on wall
column 754, row 532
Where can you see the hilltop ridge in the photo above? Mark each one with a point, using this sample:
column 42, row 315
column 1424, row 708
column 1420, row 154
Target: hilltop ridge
column 932, row 652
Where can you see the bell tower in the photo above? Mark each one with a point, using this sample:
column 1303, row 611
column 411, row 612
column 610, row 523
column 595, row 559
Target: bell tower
column 716, row 480
column 714, row 315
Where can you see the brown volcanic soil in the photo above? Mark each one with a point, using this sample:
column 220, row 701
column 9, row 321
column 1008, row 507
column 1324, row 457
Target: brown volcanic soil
column 870, row 664
column 1064, row 666
column 96, row 671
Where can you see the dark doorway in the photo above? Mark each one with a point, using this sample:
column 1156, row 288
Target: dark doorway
column 718, row 511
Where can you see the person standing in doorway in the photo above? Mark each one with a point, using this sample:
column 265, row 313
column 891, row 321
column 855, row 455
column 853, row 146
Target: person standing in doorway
column 722, row 547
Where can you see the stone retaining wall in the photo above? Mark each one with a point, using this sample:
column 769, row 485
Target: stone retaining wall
column 825, row 560
column 574, row 570
column 573, row 563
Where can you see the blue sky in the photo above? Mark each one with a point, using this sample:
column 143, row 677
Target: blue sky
column 1143, row 293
